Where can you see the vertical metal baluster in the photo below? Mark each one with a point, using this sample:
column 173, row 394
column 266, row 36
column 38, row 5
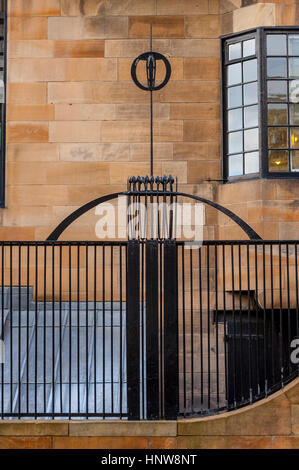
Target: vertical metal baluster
column 234, row 325
column 264, row 321
column 95, row 330
column 161, row 343
column 184, row 329
column 36, row 331
column 70, row 331
column 209, row 332
column 11, row 320
column 44, row 329
column 256, row 324
column 249, row 327
column 19, row 333
column 241, row 325
column 142, row 329
column 201, row 327
column 27, row 331
column 224, row 322
column 104, row 327
column 281, row 359
column 111, row 329
column 78, row 328
column 86, row 335
column 192, row 332
column 288, row 306
column 272, row 316
column 120, row 333
column 216, row 321
column 53, row 332
column 60, row 324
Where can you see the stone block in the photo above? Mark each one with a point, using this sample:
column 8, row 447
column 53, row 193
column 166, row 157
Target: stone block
column 250, row 442
column 43, row 112
column 85, row 112
column 196, row 151
column 17, row 233
column 36, row 70
column 30, row 48
column 83, row 48
column 95, row 152
column 119, row 172
column 86, row 69
column 94, row 92
column 195, row 47
column 140, row 151
column 177, row 7
column 138, row 131
column 202, row 69
column 190, row 91
column 285, row 442
column 100, row 443
column 33, row 152
column 201, row 130
column 201, row 442
column 200, row 111
column 133, row 428
column 25, row 443
column 162, row 443
column 212, row 426
column 38, row 195
column 22, row 28
column 129, row 112
column 203, row 26
column 74, row 131
column 127, row 7
column 163, row 26
column 28, row 216
column 29, row 132
column 26, row 93
column 260, row 14
column 33, row 428
column 34, row 8
column 201, row 171
column 98, row 27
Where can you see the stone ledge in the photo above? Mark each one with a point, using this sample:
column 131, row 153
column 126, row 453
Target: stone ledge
column 34, row 428
column 123, row 428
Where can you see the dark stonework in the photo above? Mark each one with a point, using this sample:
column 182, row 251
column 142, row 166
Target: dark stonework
column 246, row 3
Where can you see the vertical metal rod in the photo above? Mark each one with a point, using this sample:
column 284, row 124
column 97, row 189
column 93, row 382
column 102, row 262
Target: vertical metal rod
column 78, row 327
column 184, row 330
column 234, row 356
column 53, row 332
column 86, row 334
column 209, row 326
column 11, row 324
column 111, row 329
column 241, row 325
column 60, row 325
column 95, row 330
column 171, row 351
column 2, row 328
column 36, row 331
column 265, row 327
column 27, row 330
column 104, row 328
column 45, row 329
column 257, row 352
column 249, row 327
column 216, row 321
column 70, row 331
column 201, row 325
column 281, row 355
column 19, row 334
column 120, row 334
column 192, row 332
column 152, row 330
column 151, row 111
column 133, row 329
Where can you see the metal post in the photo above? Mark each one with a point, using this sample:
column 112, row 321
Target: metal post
column 171, row 357
column 152, row 333
column 133, row 330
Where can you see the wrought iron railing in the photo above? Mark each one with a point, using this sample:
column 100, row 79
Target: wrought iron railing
column 145, row 329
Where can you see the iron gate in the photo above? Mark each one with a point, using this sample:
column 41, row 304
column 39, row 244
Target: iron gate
column 144, row 329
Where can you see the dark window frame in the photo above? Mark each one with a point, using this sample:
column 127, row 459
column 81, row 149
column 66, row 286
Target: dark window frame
column 260, row 34
column 3, row 113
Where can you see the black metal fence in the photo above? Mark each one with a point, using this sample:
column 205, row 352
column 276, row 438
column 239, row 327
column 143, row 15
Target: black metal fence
column 144, row 329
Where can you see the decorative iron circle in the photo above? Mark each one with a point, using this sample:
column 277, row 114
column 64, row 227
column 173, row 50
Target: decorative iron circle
column 145, row 57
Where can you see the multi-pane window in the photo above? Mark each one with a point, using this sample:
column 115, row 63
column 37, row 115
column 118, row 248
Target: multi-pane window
column 261, row 104
column 283, row 101
column 242, row 107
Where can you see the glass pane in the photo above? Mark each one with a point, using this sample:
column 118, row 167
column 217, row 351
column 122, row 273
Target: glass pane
column 250, row 70
column 294, row 91
column 252, row 163
column 250, row 93
column 278, row 160
column 235, row 165
column 235, row 142
column 277, row 114
column 277, row 90
column 251, row 115
column 234, row 74
column 277, row 67
column 234, row 96
column 276, row 44
column 294, row 137
column 277, row 137
column 293, row 44
column 235, row 119
column 248, row 47
column 251, row 139
column 234, row 51
column 294, row 114
column 294, row 67
column 295, row 160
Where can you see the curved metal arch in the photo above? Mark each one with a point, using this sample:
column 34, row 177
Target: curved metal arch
column 90, row 205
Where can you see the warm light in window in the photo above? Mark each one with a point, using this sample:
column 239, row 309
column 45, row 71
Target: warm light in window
column 278, row 162
column 294, row 139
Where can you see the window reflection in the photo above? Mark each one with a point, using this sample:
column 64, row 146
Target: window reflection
column 278, row 160
column 234, row 51
column 251, row 139
column 251, row 116
column 250, row 70
column 235, row 119
column 234, row 96
column 234, row 74
column 235, row 163
column 252, row 162
column 276, row 44
column 277, row 114
column 278, row 137
column 250, row 93
column 295, row 160
column 249, row 47
column 277, row 67
column 277, row 90
column 235, row 142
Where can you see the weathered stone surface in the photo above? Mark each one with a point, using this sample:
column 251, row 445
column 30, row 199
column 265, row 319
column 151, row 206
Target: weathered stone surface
column 163, row 26
column 253, row 16
column 146, row 428
column 30, row 113
column 177, row 7
column 95, row 152
column 37, row 428
column 99, row 27
column 32, row 152
column 28, row 27
column 74, row 131
column 29, row 132
column 34, row 8
column 100, row 443
column 26, row 93
column 203, row 26
column 201, row 69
